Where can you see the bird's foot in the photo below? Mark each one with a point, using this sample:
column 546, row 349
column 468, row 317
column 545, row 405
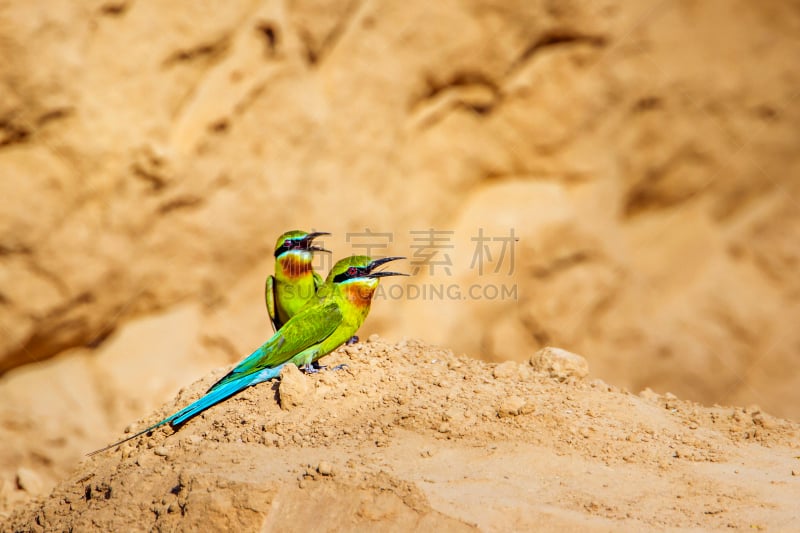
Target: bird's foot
column 315, row 368
column 312, row 368
column 352, row 340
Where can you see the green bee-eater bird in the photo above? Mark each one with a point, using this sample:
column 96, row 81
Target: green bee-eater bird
column 333, row 316
column 295, row 283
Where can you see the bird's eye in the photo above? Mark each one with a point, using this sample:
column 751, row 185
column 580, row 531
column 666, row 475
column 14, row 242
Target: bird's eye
column 287, row 243
column 352, row 271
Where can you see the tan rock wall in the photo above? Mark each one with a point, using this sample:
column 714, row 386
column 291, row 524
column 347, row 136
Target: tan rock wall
column 644, row 153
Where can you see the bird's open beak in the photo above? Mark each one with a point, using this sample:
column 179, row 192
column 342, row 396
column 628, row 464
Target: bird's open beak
column 311, row 236
column 382, row 274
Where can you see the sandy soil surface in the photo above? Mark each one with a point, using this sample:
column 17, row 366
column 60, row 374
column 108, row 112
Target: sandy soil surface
column 410, row 436
column 643, row 152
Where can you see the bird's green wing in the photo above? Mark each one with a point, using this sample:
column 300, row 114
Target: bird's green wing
column 307, row 328
column 270, row 297
column 318, row 281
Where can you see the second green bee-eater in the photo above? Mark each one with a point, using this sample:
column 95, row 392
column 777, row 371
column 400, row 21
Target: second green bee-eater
column 331, row 318
column 295, row 283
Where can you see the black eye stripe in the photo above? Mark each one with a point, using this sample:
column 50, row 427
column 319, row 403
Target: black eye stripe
column 279, row 250
column 293, row 245
column 344, row 276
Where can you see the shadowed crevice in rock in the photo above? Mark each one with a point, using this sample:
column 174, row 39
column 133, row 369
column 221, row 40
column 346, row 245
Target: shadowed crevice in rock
column 556, row 39
column 209, row 51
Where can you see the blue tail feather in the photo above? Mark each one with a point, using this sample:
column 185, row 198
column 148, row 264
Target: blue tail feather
column 212, row 397
column 218, row 394
column 123, row 441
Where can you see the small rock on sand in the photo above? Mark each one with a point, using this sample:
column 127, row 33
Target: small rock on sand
column 161, row 451
column 511, row 406
column 325, row 468
column 28, row 480
column 560, row 364
column 293, row 389
column 508, row 369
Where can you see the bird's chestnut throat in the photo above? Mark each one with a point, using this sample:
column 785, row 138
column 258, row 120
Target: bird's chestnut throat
column 359, row 294
column 295, row 266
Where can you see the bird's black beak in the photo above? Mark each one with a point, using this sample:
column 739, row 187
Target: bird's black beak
column 382, row 274
column 312, row 247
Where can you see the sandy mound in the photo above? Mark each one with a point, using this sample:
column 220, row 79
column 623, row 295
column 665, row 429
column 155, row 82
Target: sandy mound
column 411, row 436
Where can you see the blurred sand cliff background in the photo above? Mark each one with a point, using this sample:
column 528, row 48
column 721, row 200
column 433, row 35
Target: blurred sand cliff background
column 644, row 154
